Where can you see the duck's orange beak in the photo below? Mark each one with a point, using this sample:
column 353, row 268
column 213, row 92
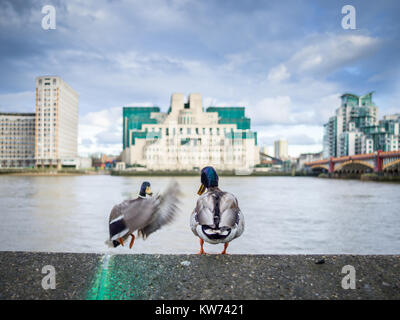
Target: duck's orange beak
column 148, row 191
column 201, row 189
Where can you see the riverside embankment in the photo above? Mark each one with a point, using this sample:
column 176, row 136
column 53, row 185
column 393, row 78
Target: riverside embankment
column 50, row 172
column 153, row 276
column 363, row 177
column 231, row 173
column 128, row 173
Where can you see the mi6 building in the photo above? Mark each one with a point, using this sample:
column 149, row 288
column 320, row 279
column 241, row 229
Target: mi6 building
column 187, row 137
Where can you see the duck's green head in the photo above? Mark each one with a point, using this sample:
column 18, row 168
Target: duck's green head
column 145, row 189
column 209, row 178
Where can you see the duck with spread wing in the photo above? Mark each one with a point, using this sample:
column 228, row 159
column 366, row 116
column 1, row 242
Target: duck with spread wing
column 146, row 214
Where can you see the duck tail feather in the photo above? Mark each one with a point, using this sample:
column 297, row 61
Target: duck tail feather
column 118, row 229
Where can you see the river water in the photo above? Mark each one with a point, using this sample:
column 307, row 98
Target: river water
column 284, row 215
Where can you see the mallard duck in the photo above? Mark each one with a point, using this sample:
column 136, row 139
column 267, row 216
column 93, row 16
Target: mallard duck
column 217, row 217
column 145, row 214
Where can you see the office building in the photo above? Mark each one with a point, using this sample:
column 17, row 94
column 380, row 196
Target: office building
column 187, row 137
column 56, row 132
column 17, row 140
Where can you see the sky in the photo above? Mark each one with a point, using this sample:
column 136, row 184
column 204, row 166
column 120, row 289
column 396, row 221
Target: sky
column 287, row 62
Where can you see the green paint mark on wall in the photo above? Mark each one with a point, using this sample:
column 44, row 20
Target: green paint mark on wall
column 100, row 286
column 119, row 277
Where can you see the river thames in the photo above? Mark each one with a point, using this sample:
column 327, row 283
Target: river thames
column 283, row 215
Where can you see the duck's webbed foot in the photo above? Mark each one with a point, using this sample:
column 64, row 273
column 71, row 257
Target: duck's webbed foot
column 132, row 241
column 201, row 247
column 226, row 244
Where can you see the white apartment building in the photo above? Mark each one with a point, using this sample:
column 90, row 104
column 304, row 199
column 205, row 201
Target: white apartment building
column 350, row 143
column 349, row 131
column 56, row 132
column 281, row 149
column 187, row 137
column 17, row 140
column 367, row 144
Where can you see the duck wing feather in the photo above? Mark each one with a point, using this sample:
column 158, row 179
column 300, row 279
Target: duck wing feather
column 205, row 209
column 130, row 215
column 217, row 209
column 139, row 213
column 165, row 211
column 229, row 211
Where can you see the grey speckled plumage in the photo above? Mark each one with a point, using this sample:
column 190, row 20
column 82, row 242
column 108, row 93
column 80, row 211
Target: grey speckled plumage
column 146, row 215
column 217, row 217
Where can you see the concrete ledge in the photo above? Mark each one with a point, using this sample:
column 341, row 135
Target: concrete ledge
column 94, row 276
column 21, row 274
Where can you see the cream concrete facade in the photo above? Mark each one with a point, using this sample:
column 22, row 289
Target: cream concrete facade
column 188, row 138
column 281, row 149
column 17, row 140
column 56, row 132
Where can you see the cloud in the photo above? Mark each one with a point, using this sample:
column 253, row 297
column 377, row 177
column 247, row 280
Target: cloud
column 301, row 138
column 278, row 74
column 296, row 150
column 300, row 134
column 328, row 52
column 280, row 110
column 86, row 142
column 272, row 110
column 109, row 138
column 101, row 131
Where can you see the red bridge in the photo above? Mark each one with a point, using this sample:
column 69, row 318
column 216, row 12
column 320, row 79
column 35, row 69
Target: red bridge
column 379, row 161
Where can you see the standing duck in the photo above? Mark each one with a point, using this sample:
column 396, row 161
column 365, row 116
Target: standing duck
column 217, row 217
column 145, row 214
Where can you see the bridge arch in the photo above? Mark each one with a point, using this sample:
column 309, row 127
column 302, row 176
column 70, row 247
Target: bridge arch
column 356, row 166
column 390, row 164
column 320, row 168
